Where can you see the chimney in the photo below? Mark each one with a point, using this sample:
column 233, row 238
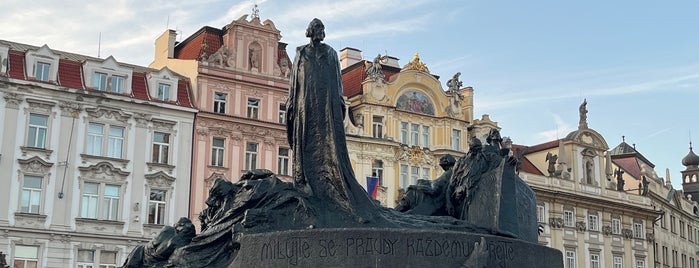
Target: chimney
column 165, row 45
column 392, row 61
column 349, row 56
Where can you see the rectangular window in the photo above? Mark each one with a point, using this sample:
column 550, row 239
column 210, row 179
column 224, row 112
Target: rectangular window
column 681, row 229
column 250, row 156
column 117, row 84
column 36, row 134
column 217, row 149
column 377, row 126
column 616, row 226
column 568, row 218
column 540, row 213
column 110, row 204
column 455, row 139
column 594, row 261
column 690, row 233
column 674, row 258
column 593, row 222
column 570, row 259
column 161, row 145
column 95, row 139
column 115, row 143
column 95, row 132
column 253, row 108
column 403, row 177
column 156, row 206
column 403, row 132
column 414, row 134
column 86, row 258
column 108, row 259
column 665, row 258
column 283, row 161
column 617, row 262
column 42, row 71
column 31, row 195
column 90, row 197
column 638, row 230
column 662, row 222
column 377, row 170
column 26, row 257
column 164, row 92
column 282, row 113
column 642, row 264
column 99, row 81
column 414, row 175
column 220, row 102
column 672, row 224
column 425, row 136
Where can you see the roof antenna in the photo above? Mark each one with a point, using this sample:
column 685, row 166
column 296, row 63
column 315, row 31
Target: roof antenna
column 99, row 45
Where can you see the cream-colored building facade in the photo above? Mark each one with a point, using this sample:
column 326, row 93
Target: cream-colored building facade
column 240, row 76
column 677, row 229
column 400, row 122
column 94, row 156
column 579, row 211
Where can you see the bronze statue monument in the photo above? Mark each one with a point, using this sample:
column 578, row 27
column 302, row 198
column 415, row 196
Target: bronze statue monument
column 477, row 214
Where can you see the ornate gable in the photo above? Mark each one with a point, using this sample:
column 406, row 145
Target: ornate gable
column 34, row 165
column 160, row 180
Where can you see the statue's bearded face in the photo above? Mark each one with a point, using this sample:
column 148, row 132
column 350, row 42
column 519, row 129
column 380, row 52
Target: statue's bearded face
column 316, row 31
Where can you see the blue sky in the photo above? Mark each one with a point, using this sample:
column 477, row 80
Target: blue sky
column 531, row 63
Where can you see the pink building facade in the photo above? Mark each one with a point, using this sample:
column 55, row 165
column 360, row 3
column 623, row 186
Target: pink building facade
column 240, row 82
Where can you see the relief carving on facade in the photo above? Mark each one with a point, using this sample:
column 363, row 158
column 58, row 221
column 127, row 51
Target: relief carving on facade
column 99, row 226
column 556, row 222
column 580, row 226
column 142, row 119
column 13, row 100
column 160, row 180
column 415, row 155
column 108, row 113
column 34, row 165
column 606, row 230
column 40, row 105
column 69, row 108
column 104, row 171
column 650, row 237
column 627, row 233
column 219, row 58
column 163, row 125
column 32, row 221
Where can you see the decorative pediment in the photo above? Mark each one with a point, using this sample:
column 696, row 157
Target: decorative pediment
column 104, row 171
column 108, row 113
column 13, row 100
column 215, row 175
column 415, row 155
column 416, row 64
column 42, row 55
column 34, row 165
column 160, row 180
column 588, row 137
column 163, row 125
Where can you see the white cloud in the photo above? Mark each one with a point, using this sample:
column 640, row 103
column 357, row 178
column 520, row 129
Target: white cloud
column 562, row 129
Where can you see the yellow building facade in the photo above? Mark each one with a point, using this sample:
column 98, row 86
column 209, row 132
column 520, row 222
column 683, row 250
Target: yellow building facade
column 400, row 121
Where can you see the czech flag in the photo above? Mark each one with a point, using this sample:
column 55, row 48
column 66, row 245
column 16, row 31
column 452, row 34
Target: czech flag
column 372, row 186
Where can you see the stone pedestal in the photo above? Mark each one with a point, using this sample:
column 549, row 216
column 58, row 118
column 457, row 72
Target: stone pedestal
column 367, row 247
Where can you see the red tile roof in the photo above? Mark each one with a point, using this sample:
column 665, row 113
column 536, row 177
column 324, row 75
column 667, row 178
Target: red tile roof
column 183, row 93
column 138, row 86
column 192, row 47
column 629, row 165
column 352, row 78
column 529, row 167
column 16, row 65
column 70, row 74
column 543, row 146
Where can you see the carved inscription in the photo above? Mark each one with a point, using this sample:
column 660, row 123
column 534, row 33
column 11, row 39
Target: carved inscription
column 294, row 251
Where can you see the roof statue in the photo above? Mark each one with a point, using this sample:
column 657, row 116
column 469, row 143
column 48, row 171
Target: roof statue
column 415, row 64
column 255, row 12
column 454, row 84
column 373, row 69
column 583, row 115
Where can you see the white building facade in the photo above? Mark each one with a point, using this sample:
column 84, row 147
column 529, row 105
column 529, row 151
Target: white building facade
column 95, row 156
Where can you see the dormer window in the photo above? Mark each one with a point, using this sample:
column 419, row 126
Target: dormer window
column 42, row 71
column 108, row 76
column 163, row 92
column 162, row 85
column 41, row 64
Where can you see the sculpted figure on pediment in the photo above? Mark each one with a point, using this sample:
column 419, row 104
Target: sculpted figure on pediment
column 220, row 57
